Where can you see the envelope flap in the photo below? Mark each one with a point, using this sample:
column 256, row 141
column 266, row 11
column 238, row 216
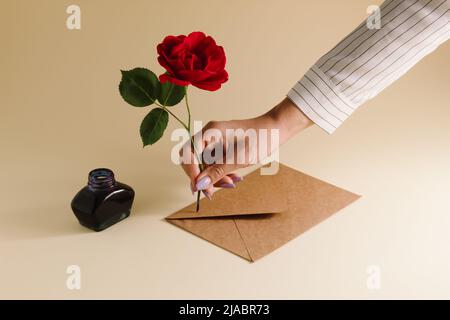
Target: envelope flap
column 256, row 194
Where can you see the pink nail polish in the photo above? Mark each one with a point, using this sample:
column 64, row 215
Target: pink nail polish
column 236, row 178
column 203, row 183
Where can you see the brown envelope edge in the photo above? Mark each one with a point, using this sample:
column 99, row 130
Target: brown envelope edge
column 239, row 250
column 254, row 186
column 237, row 243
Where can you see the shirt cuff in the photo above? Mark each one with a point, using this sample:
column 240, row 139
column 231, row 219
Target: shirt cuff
column 320, row 100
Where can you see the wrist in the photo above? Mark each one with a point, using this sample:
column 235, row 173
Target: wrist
column 288, row 118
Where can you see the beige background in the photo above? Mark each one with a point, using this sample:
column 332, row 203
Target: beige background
column 61, row 115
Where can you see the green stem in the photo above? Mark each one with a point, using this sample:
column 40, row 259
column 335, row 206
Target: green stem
column 186, row 126
column 178, row 119
column 168, row 94
column 200, row 164
column 164, row 105
column 148, row 96
column 187, row 107
column 188, row 129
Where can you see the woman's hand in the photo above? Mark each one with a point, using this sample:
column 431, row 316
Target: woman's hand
column 230, row 145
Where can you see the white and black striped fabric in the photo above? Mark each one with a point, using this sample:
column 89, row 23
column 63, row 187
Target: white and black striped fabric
column 368, row 60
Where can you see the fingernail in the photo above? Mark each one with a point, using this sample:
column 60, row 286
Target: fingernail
column 207, row 195
column 226, row 185
column 236, row 178
column 203, row 183
column 192, row 189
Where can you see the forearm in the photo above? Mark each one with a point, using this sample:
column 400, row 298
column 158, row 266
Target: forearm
column 368, row 60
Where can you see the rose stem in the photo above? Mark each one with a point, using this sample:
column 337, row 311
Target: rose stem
column 188, row 129
column 200, row 164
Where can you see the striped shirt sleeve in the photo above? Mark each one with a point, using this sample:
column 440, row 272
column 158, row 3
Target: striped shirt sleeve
column 370, row 59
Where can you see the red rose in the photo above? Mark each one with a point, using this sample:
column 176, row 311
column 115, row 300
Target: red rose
column 194, row 59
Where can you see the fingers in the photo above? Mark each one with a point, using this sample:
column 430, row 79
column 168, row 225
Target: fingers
column 212, row 174
column 191, row 171
column 228, row 181
column 225, row 182
column 236, row 178
column 208, row 192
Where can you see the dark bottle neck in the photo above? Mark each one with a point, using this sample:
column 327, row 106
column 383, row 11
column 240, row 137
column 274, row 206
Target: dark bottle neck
column 101, row 179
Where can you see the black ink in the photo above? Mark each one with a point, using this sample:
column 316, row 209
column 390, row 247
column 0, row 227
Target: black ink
column 103, row 202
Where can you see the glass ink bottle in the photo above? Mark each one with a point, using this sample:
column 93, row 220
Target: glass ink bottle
column 103, row 202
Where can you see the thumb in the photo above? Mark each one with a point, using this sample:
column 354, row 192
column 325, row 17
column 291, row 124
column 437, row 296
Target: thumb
column 211, row 175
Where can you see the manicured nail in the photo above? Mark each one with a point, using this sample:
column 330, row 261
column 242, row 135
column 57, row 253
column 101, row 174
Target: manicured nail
column 207, row 194
column 236, row 178
column 226, row 185
column 203, row 183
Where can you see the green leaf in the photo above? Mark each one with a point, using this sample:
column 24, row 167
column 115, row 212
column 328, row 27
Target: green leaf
column 139, row 87
column 153, row 126
column 171, row 94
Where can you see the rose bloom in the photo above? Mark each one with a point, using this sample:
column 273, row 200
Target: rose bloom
column 194, row 59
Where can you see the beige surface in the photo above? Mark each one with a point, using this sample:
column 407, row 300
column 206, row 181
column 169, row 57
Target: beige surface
column 61, row 115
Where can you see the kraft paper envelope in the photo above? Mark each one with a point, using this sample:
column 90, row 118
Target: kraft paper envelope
column 263, row 212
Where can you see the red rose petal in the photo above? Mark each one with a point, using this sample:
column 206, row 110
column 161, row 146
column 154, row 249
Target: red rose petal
column 194, row 59
column 167, row 78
